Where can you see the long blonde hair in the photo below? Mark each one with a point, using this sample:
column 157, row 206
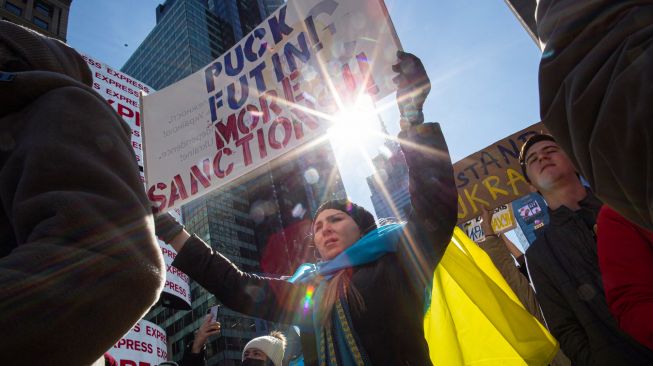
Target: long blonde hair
column 339, row 285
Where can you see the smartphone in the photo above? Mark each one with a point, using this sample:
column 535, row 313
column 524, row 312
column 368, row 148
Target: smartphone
column 214, row 312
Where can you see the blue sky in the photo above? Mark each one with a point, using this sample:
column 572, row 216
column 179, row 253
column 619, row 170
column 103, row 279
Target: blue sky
column 482, row 64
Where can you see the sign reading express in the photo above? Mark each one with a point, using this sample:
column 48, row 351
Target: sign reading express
column 122, row 93
column 144, row 345
column 492, row 177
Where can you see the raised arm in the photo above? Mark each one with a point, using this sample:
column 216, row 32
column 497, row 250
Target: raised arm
column 262, row 297
column 431, row 183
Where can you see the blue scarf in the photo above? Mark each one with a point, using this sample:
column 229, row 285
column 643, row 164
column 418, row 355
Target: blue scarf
column 339, row 344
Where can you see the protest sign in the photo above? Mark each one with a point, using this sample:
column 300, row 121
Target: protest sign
column 144, row 345
column 276, row 89
column 176, row 291
column 492, row 177
column 531, row 213
column 122, row 93
column 503, row 220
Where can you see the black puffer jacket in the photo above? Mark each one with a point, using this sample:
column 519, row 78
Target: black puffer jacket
column 391, row 327
column 564, row 269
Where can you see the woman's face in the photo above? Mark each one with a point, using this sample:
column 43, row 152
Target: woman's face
column 333, row 232
column 255, row 354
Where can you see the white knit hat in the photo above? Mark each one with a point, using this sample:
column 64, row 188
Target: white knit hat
column 272, row 345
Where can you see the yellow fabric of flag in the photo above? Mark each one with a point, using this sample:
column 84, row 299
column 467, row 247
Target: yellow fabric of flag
column 476, row 319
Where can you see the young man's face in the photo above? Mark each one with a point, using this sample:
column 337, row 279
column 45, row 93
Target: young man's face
column 546, row 164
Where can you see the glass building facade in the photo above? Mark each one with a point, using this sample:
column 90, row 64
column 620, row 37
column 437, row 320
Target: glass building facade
column 261, row 221
column 389, row 184
column 187, row 37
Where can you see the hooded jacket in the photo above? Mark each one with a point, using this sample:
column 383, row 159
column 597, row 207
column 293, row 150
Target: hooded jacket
column 79, row 263
column 595, row 82
column 564, row 270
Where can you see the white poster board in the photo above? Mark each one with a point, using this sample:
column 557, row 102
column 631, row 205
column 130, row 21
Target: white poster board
column 144, row 345
column 276, row 89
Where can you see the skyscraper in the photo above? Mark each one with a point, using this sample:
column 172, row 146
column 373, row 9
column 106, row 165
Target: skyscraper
column 261, row 221
column 389, row 183
column 48, row 17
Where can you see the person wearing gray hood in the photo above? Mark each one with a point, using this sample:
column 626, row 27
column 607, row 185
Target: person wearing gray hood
column 79, row 262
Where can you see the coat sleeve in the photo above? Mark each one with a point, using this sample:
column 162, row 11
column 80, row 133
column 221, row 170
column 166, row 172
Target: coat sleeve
column 86, row 265
column 261, row 297
column 595, row 77
column 626, row 260
column 433, row 197
column 562, row 323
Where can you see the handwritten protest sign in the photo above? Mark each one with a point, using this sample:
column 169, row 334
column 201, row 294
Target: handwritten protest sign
column 503, row 220
column 144, row 345
column 492, row 176
column 277, row 89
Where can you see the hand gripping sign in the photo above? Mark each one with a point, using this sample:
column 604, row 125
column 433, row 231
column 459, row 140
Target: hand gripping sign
column 273, row 91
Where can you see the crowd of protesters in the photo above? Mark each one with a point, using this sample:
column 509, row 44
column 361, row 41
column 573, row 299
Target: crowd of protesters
column 79, row 252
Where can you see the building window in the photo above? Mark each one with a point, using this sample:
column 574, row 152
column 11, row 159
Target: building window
column 13, row 9
column 40, row 23
column 43, row 8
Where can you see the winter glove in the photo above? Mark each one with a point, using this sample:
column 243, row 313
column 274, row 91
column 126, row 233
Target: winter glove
column 413, row 85
column 166, row 227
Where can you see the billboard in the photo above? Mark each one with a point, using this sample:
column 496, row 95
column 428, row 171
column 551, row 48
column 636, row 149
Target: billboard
column 492, row 176
column 276, row 89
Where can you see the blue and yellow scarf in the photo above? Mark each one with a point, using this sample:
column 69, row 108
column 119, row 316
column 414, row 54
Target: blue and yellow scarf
column 339, row 345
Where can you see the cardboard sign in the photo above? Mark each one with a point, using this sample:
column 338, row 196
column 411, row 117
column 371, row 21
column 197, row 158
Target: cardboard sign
column 276, row 89
column 492, row 176
column 122, row 92
column 144, row 345
column 503, row 220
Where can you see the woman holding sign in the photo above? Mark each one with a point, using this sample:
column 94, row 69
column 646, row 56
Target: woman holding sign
column 363, row 303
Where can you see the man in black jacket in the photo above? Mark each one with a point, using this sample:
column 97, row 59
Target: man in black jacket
column 563, row 263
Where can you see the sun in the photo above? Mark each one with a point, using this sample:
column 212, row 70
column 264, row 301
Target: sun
column 355, row 124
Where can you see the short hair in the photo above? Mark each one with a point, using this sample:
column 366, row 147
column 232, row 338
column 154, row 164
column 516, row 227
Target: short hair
column 527, row 145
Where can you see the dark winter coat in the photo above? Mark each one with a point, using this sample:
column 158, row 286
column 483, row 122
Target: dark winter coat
column 79, row 263
column 391, row 326
column 564, row 269
column 595, row 79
